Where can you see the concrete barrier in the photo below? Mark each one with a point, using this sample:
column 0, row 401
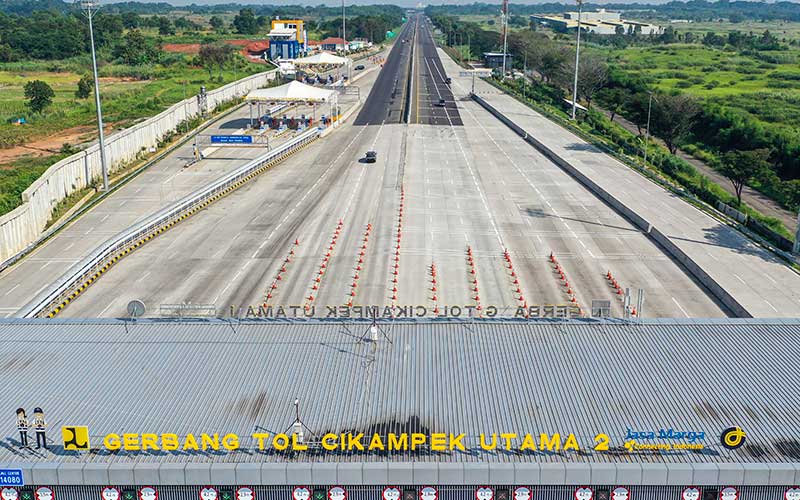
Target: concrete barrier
column 661, row 239
column 53, row 298
column 22, row 226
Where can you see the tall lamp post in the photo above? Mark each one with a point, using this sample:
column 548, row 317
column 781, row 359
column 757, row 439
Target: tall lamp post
column 647, row 129
column 577, row 60
column 505, row 35
column 90, row 8
column 344, row 30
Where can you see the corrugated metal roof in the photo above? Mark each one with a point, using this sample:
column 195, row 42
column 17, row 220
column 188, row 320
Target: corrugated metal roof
column 580, row 376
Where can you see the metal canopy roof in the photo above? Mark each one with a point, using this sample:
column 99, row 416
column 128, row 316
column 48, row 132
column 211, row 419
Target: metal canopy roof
column 578, row 376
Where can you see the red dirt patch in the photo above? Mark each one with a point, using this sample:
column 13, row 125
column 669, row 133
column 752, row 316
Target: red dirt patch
column 182, row 48
column 50, row 145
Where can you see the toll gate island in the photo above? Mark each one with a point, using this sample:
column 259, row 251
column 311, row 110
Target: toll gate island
column 555, row 409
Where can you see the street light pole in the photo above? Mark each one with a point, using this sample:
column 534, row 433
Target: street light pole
column 505, row 35
column 344, row 30
column 525, row 74
column 647, row 129
column 577, row 60
column 89, row 7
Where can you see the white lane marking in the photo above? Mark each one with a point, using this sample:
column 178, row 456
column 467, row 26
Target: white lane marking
column 310, row 190
column 228, row 285
column 106, row 309
column 679, row 307
column 104, row 218
column 474, row 179
column 46, row 264
column 773, row 307
column 739, row 278
column 11, row 289
column 290, row 213
column 69, row 246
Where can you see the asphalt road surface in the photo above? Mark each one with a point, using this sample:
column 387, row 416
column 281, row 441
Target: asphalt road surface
column 427, row 224
column 160, row 185
column 385, row 103
column 429, row 87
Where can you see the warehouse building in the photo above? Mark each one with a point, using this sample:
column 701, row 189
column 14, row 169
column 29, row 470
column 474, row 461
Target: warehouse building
column 403, row 410
column 601, row 22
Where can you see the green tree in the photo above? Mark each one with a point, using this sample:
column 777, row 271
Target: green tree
column 613, row 99
column 135, row 49
column 165, row 26
column 107, row 30
column 85, row 87
column 130, row 20
column 217, row 24
column 7, row 53
column 245, row 22
column 39, row 95
column 215, row 55
column 673, row 116
column 740, row 167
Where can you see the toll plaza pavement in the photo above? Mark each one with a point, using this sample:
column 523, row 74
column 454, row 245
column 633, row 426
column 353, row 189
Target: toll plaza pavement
column 760, row 281
column 325, row 229
column 158, row 186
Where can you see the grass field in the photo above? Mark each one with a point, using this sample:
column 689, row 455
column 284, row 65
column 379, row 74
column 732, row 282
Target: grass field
column 781, row 29
column 130, row 94
column 768, row 91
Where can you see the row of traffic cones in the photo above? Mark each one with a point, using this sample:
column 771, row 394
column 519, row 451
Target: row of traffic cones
column 279, row 276
column 396, row 261
column 521, row 302
column 473, row 285
column 564, row 280
column 434, row 288
column 618, row 289
column 323, row 266
column 361, row 256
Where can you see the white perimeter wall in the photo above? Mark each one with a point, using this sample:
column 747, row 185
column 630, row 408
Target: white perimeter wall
column 23, row 225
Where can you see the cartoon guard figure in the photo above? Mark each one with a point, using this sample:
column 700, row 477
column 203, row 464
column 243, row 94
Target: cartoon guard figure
column 39, row 426
column 22, row 427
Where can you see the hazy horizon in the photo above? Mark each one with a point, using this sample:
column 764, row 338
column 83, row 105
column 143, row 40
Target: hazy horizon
column 403, row 3
column 179, row 3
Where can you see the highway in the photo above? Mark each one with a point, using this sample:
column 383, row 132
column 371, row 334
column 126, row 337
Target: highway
column 760, row 281
column 427, row 225
column 161, row 184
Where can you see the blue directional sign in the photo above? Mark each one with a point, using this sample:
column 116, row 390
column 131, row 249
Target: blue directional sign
column 11, row 477
column 231, row 139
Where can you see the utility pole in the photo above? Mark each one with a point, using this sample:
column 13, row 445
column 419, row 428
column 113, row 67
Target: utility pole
column 647, row 129
column 344, row 30
column 796, row 248
column 469, row 46
column 505, row 34
column 525, row 75
column 577, row 60
column 89, row 7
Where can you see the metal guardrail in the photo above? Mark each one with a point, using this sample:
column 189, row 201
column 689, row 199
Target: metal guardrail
column 80, row 276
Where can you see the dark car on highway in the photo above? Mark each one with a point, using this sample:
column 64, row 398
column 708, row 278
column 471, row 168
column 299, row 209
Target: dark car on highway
column 441, row 103
column 371, row 157
column 359, row 67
